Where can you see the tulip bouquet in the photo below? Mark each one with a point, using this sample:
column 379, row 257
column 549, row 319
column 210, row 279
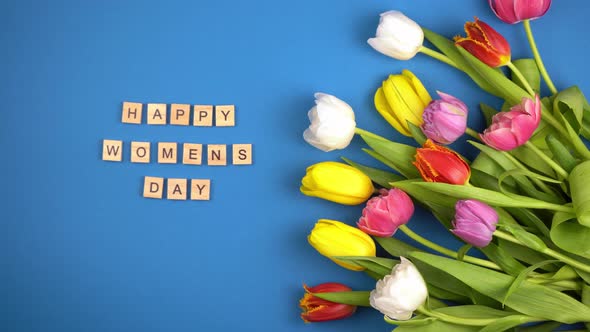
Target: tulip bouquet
column 522, row 206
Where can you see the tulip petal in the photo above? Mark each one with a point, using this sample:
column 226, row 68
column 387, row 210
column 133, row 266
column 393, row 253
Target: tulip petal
column 387, row 113
column 419, row 88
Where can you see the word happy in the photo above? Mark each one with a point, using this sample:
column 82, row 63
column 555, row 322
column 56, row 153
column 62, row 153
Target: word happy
column 174, row 153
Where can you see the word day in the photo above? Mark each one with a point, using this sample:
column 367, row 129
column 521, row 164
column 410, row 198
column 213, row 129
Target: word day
column 176, row 189
column 167, row 153
column 180, row 114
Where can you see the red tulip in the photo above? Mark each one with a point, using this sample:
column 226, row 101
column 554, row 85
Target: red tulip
column 485, row 43
column 319, row 310
column 439, row 164
column 514, row 11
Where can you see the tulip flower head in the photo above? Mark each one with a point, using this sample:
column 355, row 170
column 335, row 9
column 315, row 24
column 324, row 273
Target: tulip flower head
column 475, row 222
column 337, row 182
column 333, row 238
column 445, row 119
column 316, row 309
column 397, row 36
column 514, row 11
column 332, row 123
column 485, row 43
column 514, row 128
column 385, row 213
column 439, row 164
column 400, row 293
column 401, row 99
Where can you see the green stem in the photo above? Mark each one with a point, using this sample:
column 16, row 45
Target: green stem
column 521, row 77
column 547, row 251
column 472, row 133
column 363, row 132
column 465, row 321
column 558, row 169
column 445, row 251
column 537, row 56
column 438, row 56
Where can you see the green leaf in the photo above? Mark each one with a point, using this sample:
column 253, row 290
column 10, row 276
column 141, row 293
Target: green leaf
column 521, row 277
column 413, row 188
column 448, row 48
column 380, row 266
column 487, row 181
column 570, row 103
column 569, row 235
column 523, row 254
column 487, row 196
column 358, row 298
column 474, row 312
column 395, row 247
column 506, row 323
column 580, row 192
column 417, row 133
column 586, row 299
column 545, row 327
column 443, row 294
column 434, row 326
column 530, row 71
column 527, row 218
column 488, row 113
column 560, row 153
column 505, row 88
column 420, row 320
column 528, row 239
column 529, row 299
column 400, row 155
column 378, row 176
column 529, row 158
column 585, row 276
column 499, row 256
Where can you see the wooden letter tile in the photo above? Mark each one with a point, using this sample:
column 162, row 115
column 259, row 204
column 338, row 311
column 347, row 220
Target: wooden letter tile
column 153, row 187
column 156, row 114
column 192, row 153
column 176, row 189
column 131, row 112
column 203, row 115
column 112, row 150
column 225, row 115
column 140, row 152
column 200, row 189
column 180, row 114
column 242, row 154
column 216, row 155
column 167, row 153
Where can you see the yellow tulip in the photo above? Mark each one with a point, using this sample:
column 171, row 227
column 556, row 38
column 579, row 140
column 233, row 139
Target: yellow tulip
column 402, row 98
column 334, row 238
column 337, row 182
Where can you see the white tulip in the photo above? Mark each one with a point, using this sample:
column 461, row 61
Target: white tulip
column 397, row 36
column 397, row 295
column 332, row 123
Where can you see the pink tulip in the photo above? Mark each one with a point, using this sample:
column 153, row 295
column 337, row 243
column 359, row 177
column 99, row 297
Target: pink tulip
column 445, row 119
column 385, row 213
column 475, row 222
column 512, row 129
column 514, row 11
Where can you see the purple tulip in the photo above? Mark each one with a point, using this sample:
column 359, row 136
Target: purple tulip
column 385, row 213
column 514, row 11
column 475, row 222
column 512, row 129
column 445, row 119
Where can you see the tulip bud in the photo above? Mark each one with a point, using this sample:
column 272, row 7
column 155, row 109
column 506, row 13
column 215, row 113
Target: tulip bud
column 397, row 36
column 332, row 123
column 385, row 213
column 439, row 164
column 475, row 222
column 485, row 43
column 512, row 129
column 337, row 182
column 333, row 238
column 402, row 98
column 514, row 11
column 316, row 309
column 397, row 295
column 445, row 119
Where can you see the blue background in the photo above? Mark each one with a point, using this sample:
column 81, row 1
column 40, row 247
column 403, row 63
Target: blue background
column 81, row 250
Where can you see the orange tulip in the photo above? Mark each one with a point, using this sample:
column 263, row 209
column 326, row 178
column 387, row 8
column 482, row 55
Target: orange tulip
column 485, row 43
column 439, row 164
